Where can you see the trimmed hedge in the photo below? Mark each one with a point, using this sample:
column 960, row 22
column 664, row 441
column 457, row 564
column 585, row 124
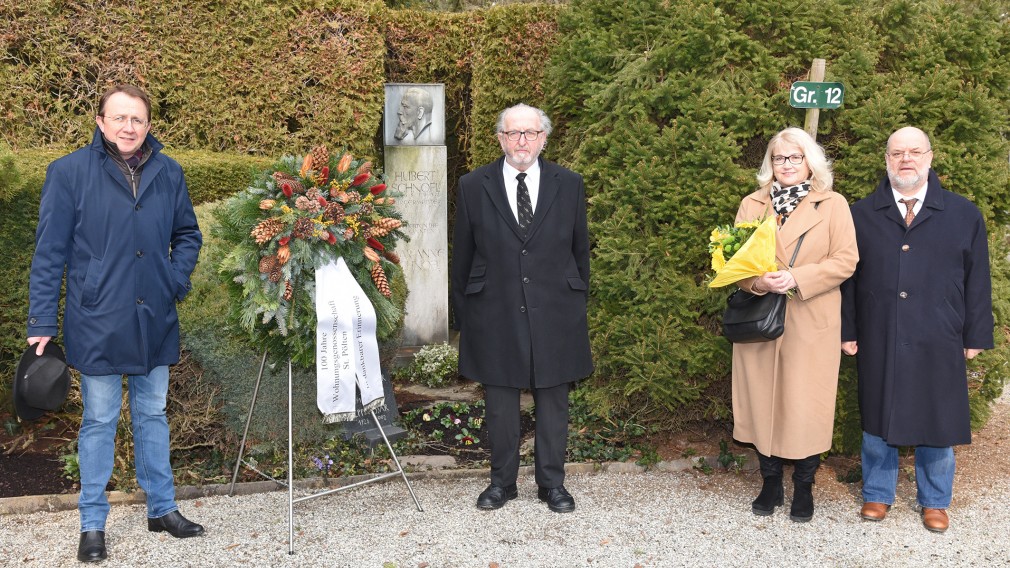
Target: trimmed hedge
column 240, row 75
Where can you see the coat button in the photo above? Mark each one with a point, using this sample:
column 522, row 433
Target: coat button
column 33, row 321
column 903, row 295
column 140, row 254
column 522, row 309
column 138, row 207
column 526, row 280
column 140, row 301
column 524, row 253
column 904, row 248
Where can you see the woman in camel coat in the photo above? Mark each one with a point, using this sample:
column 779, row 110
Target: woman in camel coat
column 784, row 390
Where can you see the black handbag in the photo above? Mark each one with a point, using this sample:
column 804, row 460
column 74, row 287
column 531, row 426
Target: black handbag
column 750, row 318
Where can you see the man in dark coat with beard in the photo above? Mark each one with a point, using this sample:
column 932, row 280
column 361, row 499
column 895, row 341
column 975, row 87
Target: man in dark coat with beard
column 918, row 305
column 520, row 281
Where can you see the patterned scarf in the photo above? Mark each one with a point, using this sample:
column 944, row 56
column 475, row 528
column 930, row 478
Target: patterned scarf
column 785, row 199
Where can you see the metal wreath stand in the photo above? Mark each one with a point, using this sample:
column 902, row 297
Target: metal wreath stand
column 290, row 481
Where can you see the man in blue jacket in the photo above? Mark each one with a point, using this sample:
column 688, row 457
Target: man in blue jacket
column 117, row 217
column 918, row 305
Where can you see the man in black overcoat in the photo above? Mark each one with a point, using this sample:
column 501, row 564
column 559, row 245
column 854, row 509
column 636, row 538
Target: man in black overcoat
column 520, row 283
column 918, row 305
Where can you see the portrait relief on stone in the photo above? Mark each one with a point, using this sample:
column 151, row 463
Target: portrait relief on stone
column 415, row 115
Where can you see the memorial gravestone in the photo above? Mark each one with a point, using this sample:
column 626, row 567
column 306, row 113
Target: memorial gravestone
column 415, row 166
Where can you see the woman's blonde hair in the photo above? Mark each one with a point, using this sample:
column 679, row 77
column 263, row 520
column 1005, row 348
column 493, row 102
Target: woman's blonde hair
column 820, row 168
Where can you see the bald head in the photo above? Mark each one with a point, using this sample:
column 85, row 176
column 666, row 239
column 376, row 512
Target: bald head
column 909, row 157
column 908, row 137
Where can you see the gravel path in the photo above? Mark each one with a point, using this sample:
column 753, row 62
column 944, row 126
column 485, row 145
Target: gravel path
column 622, row 520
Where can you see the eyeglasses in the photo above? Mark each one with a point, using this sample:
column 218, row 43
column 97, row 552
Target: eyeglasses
column 795, row 159
column 914, row 155
column 529, row 135
column 121, row 120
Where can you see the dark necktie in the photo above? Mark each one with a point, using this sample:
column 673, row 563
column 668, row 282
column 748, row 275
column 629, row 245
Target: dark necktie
column 524, row 207
column 910, row 210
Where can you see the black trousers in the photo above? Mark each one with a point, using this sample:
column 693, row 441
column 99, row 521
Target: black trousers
column 502, row 418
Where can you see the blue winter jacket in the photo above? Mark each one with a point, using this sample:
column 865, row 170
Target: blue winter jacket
column 127, row 260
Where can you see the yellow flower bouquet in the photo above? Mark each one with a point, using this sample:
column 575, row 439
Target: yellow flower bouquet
column 742, row 250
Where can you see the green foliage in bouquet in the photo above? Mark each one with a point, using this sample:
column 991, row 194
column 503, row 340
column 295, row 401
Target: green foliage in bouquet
column 295, row 216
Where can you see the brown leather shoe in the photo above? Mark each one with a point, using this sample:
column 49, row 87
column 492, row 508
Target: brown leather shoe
column 874, row 511
column 935, row 520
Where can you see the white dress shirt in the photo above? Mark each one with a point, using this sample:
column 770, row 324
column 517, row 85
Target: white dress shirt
column 512, row 185
column 919, row 195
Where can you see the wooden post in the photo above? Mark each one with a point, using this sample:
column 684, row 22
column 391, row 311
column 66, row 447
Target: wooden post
column 814, row 114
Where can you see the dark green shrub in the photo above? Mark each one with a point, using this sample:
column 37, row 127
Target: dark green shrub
column 666, row 107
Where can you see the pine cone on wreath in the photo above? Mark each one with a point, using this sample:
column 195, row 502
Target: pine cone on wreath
column 313, row 193
column 366, row 208
column 384, row 226
column 267, row 264
column 379, row 277
column 391, row 256
column 289, row 290
column 320, row 157
column 275, row 274
column 303, row 228
column 281, row 178
column 334, row 212
column 266, row 230
column 353, row 197
column 365, row 230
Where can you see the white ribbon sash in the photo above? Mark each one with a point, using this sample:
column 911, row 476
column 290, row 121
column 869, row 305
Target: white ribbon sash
column 346, row 350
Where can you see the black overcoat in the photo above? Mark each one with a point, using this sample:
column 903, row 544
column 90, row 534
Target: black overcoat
column 521, row 300
column 920, row 296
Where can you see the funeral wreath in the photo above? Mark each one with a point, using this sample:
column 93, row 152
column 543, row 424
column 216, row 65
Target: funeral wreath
column 299, row 214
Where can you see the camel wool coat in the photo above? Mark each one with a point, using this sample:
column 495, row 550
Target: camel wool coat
column 784, row 390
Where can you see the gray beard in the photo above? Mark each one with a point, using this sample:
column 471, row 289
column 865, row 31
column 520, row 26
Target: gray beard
column 899, row 183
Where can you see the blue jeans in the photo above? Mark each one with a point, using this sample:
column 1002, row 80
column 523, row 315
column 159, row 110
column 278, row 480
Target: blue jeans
column 934, row 473
column 103, row 400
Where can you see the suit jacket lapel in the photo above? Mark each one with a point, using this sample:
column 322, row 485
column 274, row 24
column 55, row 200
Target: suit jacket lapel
column 548, row 191
column 494, row 186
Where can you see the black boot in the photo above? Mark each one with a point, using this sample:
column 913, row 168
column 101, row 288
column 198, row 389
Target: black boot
column 802, row 508
column 771, row 494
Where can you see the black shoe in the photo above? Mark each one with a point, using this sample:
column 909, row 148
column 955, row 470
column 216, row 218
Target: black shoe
column 558, row 499
column 771, row 496
column 495, row 497
column 92, row 547
column 802, row 509
column 175, row 524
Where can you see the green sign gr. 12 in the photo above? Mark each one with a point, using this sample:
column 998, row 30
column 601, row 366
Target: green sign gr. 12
column 810, row 94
